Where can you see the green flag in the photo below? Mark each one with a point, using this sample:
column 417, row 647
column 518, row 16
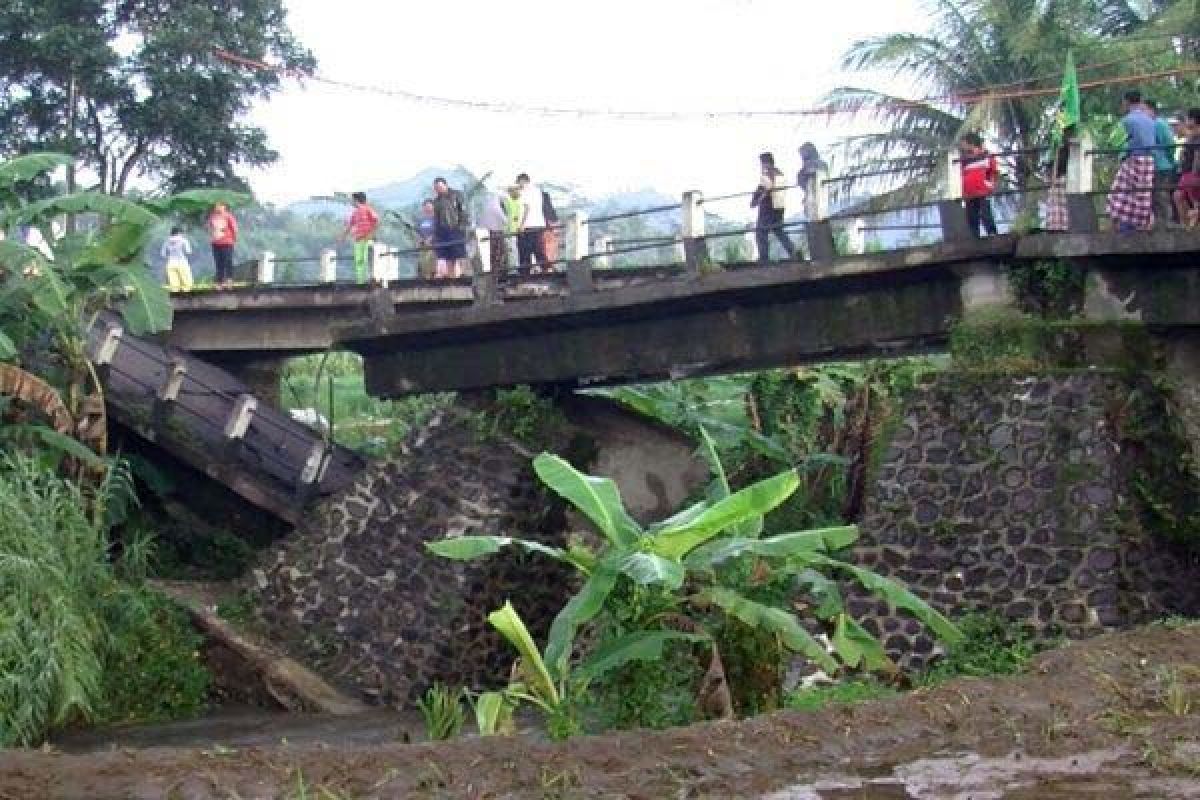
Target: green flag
column 1068, row 100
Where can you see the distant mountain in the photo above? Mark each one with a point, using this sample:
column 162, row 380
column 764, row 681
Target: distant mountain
column 398, row 195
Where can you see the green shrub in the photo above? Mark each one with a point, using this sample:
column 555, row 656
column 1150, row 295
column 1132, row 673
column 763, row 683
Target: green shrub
column 845, row 693
column 153, row 668
column 991, row 645
column 75, row 642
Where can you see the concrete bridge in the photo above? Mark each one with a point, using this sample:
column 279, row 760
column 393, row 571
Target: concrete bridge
column 587, row 323
column 692, row 324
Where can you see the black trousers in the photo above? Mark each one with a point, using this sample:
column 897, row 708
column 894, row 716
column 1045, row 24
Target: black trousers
column 223, row 258
column 979, row 212
column 762, row 236
column 531, row 242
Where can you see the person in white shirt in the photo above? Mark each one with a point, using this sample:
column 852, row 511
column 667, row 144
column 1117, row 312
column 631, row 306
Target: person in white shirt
column 176, row 250
column 530, row 232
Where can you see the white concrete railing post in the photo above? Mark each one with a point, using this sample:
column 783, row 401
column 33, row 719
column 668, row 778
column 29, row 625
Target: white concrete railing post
column 818, row 232
column 819, row 202
column 1081, row 210
column 952, row 214
column 603, row 248
column 856, row 236
column 575, row 231
column 266, row 267
column 315, row 464
column 377, row 262
column 693, row 229
column 952, row 177
column 240, row 417
column 108, row 346
column 176, row 372
column 481, row 238
column 752, row 246
column 1080, row 165
column 328, row 265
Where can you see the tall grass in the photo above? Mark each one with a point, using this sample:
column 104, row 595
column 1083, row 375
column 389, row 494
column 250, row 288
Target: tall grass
column 66, row 618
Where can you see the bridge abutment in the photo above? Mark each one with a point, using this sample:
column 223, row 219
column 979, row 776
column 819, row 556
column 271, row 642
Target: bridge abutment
column 261, row 374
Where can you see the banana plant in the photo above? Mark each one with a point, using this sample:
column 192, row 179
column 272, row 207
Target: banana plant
column 51, row 295
column 687, row 554
column 552, row 690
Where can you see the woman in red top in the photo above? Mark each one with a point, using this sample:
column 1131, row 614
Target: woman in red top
column 978, row 182
column 223, row 231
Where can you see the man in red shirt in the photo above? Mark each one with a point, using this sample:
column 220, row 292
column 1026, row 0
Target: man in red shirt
column 979, row 173
column 361, row 228
column 223, row 233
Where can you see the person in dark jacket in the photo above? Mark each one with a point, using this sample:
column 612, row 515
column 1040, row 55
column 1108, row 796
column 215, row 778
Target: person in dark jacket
column 449, row 230
column 769, row 199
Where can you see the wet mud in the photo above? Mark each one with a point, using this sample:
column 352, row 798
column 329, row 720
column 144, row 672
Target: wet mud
column 1114, row 717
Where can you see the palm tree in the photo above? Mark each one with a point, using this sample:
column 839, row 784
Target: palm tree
column 977, row 55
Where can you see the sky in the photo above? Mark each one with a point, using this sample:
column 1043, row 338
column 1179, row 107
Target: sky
column 653, row 55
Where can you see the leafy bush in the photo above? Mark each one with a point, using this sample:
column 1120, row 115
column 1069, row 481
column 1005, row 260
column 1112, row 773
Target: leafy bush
column 990, row 645
column 696, row 564
column 75, row 642
column 844, row 693
column 152, row 668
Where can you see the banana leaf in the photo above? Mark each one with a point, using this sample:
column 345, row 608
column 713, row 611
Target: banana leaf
column 754, row 500
column 597, row 498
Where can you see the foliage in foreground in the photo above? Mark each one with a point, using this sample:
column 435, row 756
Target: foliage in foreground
column 75, row 641
column 700, row 566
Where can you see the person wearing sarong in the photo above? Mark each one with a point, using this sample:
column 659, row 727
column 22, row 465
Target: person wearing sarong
column 1131, row 199
column 1055, row 217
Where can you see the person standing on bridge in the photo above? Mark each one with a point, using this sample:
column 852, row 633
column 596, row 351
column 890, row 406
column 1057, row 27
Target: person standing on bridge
column 1187, row 196
column 531, row 240
column 449, row 230
column 495, row 220
column 175, row 251
column 223, row 233
column 769, row 199
column 1131, row 199
column 1166, row 171
column 361, row 229
column 979, row 173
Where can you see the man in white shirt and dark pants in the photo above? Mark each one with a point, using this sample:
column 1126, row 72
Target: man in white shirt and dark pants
column 530, row 232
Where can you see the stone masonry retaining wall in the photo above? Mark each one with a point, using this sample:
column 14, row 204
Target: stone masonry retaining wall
column 353, row 592
column 1014, row 495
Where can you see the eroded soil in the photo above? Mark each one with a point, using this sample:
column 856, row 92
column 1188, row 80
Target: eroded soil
column 1114, row 717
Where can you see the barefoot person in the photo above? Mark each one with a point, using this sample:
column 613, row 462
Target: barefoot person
column 223, row 233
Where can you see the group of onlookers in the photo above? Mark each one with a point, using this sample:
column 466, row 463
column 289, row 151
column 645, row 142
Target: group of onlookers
column 1158, row 181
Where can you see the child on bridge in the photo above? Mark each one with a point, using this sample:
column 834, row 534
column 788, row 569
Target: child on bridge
column 361, row 228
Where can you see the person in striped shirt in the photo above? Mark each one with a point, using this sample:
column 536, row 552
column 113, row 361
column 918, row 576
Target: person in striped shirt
column 361, row 229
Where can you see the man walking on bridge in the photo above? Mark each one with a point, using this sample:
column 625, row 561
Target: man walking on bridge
column 361, row 228
column 1131, row 200
column 769, row 199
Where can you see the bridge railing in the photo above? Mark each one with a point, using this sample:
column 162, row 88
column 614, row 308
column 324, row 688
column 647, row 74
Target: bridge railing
column 209, row 419
column 1063, row 200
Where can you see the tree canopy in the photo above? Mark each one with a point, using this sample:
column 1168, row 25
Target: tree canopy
column 140, row 84
column 981, row 58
